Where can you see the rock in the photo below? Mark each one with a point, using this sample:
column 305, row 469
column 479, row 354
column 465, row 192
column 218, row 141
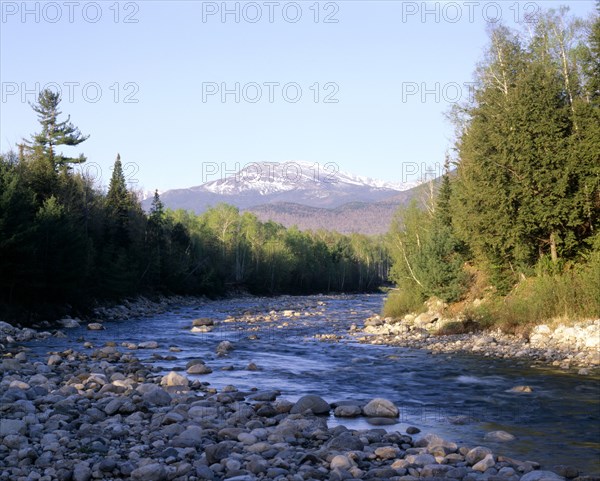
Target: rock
column 68, row 323
column 566, row 471
column 347, row 411
column 224, row 347
column 486, row 463
column 203, row 321
column 148, row 345
column 19, row 385
column 542, row 476
column 174, row 379
column 382, row 421
column 412, row 430
column 387, row 452
column 82, row 472
column 477, row 454
column 199, row 369
column 420, row 459
column 340, row 462
column 150, row 472
column 310, row 402
column 382, row 408
column 216, row 452
column 157, row 397
column 525, row 389
column 12, row 426
column 346, row 442
column 252, row 367
column 498, row 436
column 53, row 360
column 95, row 326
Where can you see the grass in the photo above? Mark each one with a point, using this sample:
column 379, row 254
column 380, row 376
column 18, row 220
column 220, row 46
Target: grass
column 402, row 302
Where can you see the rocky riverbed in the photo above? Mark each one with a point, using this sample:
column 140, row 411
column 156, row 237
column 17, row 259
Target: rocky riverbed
column 153, row 397
column 105, row 415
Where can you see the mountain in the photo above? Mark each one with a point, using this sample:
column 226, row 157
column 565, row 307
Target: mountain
column 312, row 196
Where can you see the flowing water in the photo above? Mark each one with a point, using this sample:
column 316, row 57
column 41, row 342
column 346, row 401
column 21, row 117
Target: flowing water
column 558, row 423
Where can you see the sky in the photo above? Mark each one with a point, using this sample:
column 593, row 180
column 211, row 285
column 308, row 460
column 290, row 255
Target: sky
column 190, row 91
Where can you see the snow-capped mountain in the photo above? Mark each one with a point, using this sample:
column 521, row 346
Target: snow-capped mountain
column 311, row 184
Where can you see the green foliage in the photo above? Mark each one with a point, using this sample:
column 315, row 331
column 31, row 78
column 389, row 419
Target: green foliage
column 401, row 302
column 54, row 133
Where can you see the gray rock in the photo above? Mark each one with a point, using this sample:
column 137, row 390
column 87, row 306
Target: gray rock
column 53, row 360
column 12, row 426
column 148, row 345
column 150, row 472
column 199, row 369
column 347, row 411
column 542, row 476
column 420, row 459
column 499, row 436
column 157, row 397
column 95, row 326
column 346, row 442
column 82, row 472
column 310, row 402
column 381, row 408
column 216, row 452
column 477, row 454
column 224, row 348
column 203, row 321
column 485, row 463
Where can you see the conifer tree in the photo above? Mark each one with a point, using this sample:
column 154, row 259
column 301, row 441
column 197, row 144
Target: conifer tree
column 54, row 133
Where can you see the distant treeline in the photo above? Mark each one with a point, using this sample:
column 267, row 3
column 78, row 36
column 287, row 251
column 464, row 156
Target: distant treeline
column 516, row 220
column 65, row 240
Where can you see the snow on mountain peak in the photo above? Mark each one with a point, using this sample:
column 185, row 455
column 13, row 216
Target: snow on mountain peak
column 272, row 177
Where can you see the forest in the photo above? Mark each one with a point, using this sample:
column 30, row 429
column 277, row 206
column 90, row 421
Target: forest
column 514, row 224
column 66, row 242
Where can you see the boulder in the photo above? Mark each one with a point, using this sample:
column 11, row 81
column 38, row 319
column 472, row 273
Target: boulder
column 174, row 379
column 224, row 347
column 311, row 402
column 498, row 436
column 148, row 345
column 542, row 476
column 477, row 454
column 199, row 369
column 157, row 397
column 381, row 408
column 347, row 411
column 150, row 472
column 95, row 326
column 486, row 463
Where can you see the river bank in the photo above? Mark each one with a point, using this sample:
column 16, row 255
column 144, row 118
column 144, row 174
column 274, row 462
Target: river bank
column 103, row 414
column 572, row 346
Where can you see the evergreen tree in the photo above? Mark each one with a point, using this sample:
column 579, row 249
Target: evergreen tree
column 54, row 133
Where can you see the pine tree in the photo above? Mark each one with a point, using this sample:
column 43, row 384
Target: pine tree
column 54, row 133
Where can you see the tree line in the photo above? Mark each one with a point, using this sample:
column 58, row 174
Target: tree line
column 520, row 202
column 65, row 240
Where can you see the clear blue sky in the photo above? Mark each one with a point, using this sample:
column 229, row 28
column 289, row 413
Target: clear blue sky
column 375, row 59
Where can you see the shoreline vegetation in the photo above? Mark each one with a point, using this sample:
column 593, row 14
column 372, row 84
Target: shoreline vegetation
column 509, row 238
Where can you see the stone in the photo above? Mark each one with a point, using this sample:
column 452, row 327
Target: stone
column 68, row 323
column 412, row 430
column 310, row 402
column 199, row 369
column 420, row 459
column 498, row 436
column 148, row 345
column 346, row 442
column 387, row 452
column 53, row 360
column 347, row 411
column 486, row 463
column 95, row 326
column 202, row 321
column 216, row 452
column 174, row 379
column 150, row 472
column 190, row 438
column 224, row 347
column 82, row 472
column 340, row 462
column 477, row 454
column 382, row 408
column 542, row 476
column 566, row 471
column 157, row 397
column 523, row 389
column 12, row 426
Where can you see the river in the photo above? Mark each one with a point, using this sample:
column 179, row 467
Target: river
column 558, row 423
